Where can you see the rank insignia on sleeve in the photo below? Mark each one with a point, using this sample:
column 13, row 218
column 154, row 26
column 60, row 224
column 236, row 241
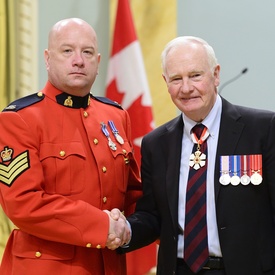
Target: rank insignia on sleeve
column 17, row 166
column 6, row 154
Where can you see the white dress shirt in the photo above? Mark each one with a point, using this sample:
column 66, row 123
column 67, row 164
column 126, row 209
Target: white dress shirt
column 212, row 122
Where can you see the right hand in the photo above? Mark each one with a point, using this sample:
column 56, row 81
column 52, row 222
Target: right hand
column 119, row 232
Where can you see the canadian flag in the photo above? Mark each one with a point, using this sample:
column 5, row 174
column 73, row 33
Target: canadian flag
column 127, row 84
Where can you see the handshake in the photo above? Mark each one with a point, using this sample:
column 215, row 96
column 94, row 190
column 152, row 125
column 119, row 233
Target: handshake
column 119, row 231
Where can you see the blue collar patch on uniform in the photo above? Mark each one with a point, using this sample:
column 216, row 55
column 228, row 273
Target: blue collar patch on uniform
column 107, row 101
column 23, row 102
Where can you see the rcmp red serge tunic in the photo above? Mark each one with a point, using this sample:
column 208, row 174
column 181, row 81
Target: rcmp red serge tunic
column 57, row 174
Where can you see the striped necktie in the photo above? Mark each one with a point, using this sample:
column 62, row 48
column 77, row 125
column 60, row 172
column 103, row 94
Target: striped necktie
column 195, row 232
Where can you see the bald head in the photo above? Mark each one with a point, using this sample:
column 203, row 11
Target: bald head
column 67, row 25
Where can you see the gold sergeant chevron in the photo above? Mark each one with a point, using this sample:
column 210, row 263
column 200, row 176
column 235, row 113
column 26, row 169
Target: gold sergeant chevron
column 8, row 173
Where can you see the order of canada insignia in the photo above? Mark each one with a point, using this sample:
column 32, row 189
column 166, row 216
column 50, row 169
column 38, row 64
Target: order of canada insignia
column 197, row 160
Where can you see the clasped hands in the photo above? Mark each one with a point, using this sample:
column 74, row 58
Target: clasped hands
column 119, row 231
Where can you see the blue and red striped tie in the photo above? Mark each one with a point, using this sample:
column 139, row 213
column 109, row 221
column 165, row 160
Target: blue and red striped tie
column 195, row 233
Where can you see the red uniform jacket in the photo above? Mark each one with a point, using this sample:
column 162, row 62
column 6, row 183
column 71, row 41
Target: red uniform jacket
column 57, row 174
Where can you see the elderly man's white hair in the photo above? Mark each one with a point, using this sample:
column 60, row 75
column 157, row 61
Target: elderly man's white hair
column 182, row 40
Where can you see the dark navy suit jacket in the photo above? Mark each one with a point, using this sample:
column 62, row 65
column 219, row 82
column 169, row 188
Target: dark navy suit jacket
column 245, row 214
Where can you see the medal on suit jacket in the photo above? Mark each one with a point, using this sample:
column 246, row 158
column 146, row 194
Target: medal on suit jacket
column 256, row 169
column 245, row 179
column 105, row 131
column 198, row 159
column 235, row 168
column 224, row 170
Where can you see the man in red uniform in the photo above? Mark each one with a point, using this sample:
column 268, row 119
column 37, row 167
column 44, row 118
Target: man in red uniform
column 66, row 156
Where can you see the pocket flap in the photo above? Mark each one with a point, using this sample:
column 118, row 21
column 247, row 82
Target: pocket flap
column 61, row 150
column 28, row 246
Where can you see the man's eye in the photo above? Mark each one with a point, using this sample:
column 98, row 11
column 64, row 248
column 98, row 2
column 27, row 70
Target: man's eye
column 176, row 79
column 88, row 52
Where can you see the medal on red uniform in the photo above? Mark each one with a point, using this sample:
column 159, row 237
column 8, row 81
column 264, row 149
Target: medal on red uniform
column 105, row 131
column 198, row 159
column 115, row 132
column 224, row 170
column 256, row 169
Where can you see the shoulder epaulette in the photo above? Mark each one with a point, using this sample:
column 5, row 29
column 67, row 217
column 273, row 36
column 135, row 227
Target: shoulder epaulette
column 24, row 102
column 106, row 101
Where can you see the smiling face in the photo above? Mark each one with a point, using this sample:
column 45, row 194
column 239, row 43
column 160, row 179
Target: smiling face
column 72, row 56
column 191, row 80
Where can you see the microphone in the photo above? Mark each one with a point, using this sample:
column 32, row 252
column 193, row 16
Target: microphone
column 232, row 79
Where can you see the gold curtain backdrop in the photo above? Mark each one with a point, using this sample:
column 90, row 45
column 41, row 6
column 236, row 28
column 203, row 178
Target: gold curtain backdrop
column 7, row 52
column 155, row 22
column 7, row 84
column 18, row 65
column 18, row 49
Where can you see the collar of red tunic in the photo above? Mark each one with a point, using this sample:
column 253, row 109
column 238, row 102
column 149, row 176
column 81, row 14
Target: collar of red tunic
column 65, row 99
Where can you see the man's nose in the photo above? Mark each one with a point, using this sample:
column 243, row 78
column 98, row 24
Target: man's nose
column 186, row 86
column 78, row 59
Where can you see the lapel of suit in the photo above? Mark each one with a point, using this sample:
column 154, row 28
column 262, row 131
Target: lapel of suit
column 171, row 144
column 229, row 135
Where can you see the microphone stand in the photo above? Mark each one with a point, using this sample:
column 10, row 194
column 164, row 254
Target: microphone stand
column 232, row 79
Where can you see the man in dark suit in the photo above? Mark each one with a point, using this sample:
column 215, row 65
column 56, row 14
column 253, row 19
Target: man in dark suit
column 240, row 175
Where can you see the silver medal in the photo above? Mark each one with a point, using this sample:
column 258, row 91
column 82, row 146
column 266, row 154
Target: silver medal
column 245, row 179
column 235, row 180
column 225, row 179
column 105, row 131
column 112, row 145
column 256, row 178
column 115, row 132
column 119, row 139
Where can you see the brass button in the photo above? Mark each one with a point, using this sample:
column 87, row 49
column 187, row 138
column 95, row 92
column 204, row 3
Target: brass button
column 104, row 169
column 95, row 141
column 38, row 254
column 124, row 151
column 85, row 114
column 88, row 245
column 39, row 94
column 62, row 153
column 98, row 246
column 104, row 200
column 126, row 160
